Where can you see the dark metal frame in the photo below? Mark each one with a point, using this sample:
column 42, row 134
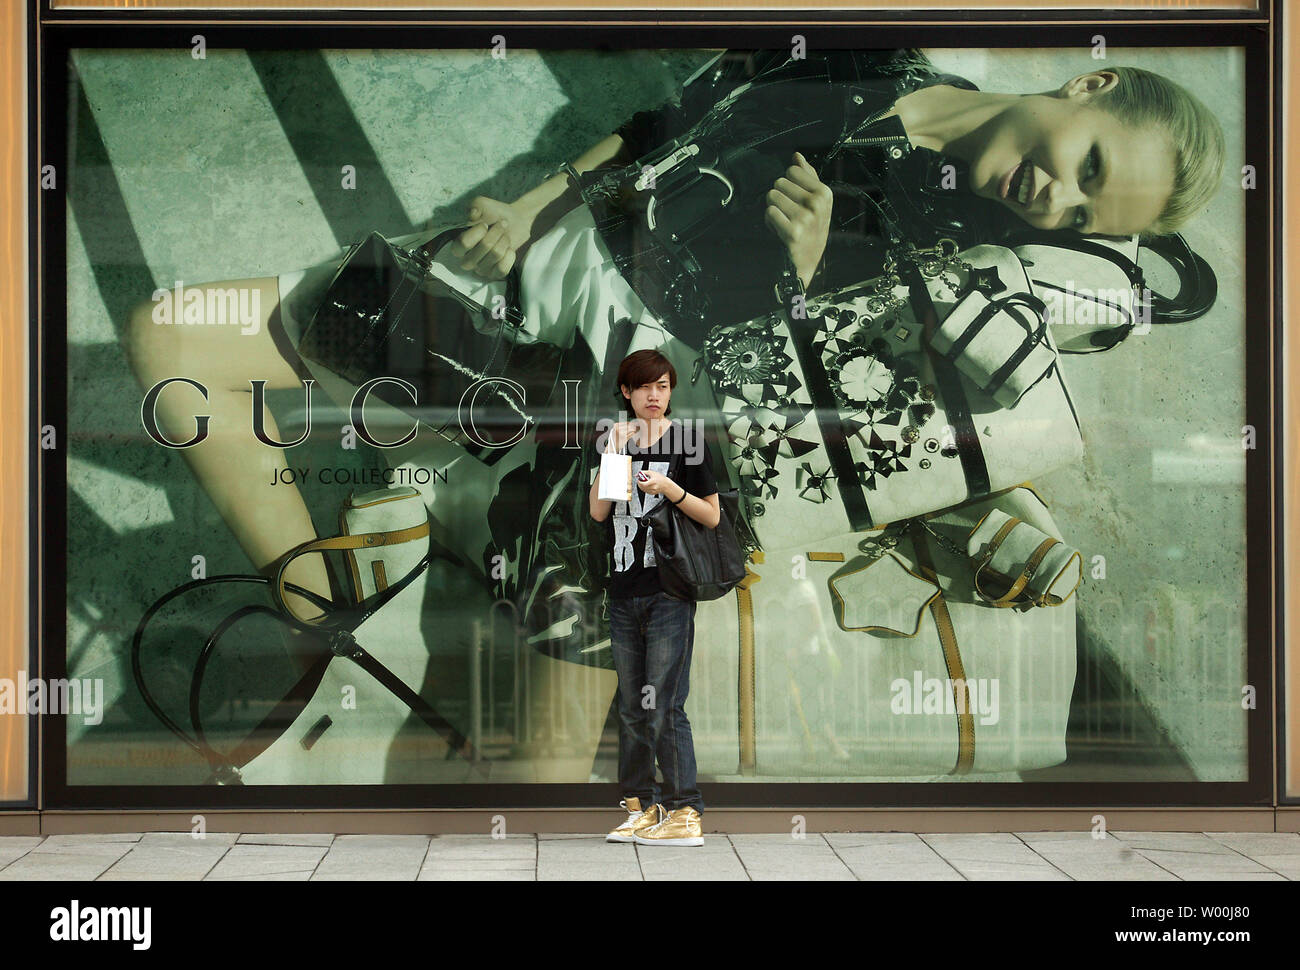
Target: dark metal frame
column 1033, row 29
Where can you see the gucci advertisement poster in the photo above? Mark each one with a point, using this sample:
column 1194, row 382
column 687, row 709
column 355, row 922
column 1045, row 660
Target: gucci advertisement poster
column 967, row 327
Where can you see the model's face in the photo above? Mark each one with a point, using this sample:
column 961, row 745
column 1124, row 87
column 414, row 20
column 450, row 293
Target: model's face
column 1059, row 162
column 649, row 400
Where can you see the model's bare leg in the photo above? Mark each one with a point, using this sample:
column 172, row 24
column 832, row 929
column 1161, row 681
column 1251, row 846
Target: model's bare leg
column 234, row 468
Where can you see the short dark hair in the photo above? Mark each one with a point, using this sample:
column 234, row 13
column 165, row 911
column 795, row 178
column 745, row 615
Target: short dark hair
column 644, row 367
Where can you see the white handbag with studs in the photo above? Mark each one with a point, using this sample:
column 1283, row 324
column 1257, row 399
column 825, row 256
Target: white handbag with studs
column 850, row 418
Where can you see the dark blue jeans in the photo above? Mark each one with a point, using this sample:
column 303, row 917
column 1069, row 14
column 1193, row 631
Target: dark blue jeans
column 652, row 638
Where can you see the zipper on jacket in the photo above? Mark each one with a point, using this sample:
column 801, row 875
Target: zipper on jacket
column 871, row 141
column 851, row 140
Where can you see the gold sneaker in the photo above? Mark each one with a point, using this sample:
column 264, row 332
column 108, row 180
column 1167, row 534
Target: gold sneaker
column 681, row 826
column 636, row 820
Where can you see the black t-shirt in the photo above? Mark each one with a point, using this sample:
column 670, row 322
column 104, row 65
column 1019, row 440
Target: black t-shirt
column 686, row 459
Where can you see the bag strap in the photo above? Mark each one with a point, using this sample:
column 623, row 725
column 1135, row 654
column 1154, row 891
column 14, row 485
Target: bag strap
column 286, row 710
column 426, row 253
column 363, row 540
column 280, row 716
column 340, row 642
column 1036, row 335
column 951, row 653
column 367, row 661
column 331, row 636
column 969, row 450
column 825, row 406
column 1051, row 599
column 196, row 743
column 1060, row 239
column 1198, row 286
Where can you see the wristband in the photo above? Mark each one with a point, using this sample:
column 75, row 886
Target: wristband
column 680, row 500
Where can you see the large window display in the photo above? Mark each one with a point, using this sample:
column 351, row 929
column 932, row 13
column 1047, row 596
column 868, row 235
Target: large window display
column 343, row 327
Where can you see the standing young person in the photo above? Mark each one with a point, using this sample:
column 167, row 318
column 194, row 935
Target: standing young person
column 652, row 634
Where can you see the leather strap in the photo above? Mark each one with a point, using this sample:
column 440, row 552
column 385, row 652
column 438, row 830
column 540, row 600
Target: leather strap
column 969, row 451
column 1053, row 238
column 1052, row 599
column 827, row 410
column 515, row 315
column 951, row 655
column 281, row 716
column 973, row 328
column 364, row 540
column 456, row 741
column 1026, row 347
column 1013, row 591
column 745, row 706
column 337, row 640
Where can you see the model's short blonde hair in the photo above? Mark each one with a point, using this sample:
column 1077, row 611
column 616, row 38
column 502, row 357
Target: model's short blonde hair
column 1143, row 99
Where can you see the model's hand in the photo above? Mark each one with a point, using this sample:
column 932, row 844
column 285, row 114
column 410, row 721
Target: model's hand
column 799, row 212
column 497, row 239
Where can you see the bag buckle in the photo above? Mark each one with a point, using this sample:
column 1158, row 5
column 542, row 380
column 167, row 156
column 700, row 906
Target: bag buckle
column 343, row 644
column 651, row 173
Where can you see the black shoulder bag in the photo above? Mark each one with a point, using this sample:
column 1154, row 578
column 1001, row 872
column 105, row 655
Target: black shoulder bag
column 697, row 563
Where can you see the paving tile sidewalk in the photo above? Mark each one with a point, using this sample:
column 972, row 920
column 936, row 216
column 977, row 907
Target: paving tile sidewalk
column 871, row 856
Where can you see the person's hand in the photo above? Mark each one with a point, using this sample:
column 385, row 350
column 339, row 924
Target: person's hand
column 500, row 233
column 657, row 484
column 621, row 433
column 799, row 212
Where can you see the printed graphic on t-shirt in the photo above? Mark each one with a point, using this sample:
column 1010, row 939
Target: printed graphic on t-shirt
column 628, row 527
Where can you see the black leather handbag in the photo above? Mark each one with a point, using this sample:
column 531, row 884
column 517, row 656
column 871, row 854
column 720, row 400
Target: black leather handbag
column 695, row 562
column 385, row 314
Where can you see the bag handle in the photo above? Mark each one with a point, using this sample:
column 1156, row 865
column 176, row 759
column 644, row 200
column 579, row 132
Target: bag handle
column 991, row 309
column 1036, row 336
column 620, row 450
column 363, row 540
column 1198, row 286
column 425, row 254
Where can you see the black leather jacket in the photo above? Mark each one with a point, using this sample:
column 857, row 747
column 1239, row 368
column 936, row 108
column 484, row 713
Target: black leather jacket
column 771, row 105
